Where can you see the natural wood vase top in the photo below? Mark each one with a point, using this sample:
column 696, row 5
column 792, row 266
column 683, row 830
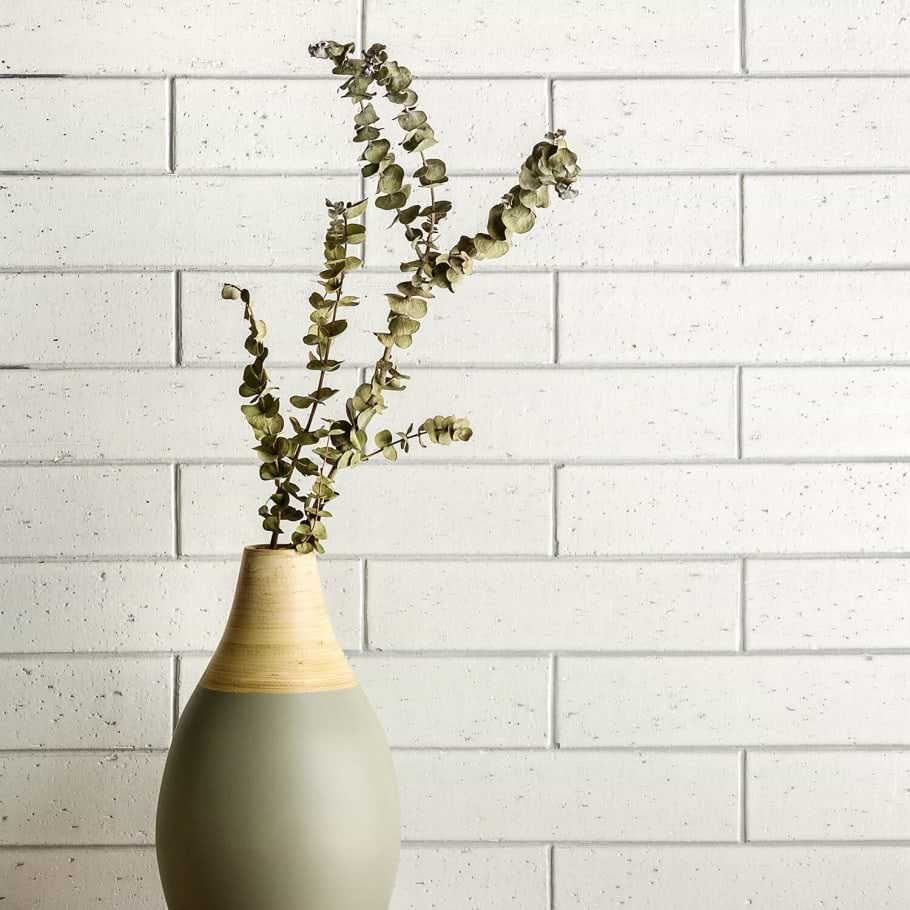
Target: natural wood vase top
column 278, row 637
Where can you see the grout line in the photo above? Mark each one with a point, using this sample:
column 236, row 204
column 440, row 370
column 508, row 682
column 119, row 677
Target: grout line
column 550, row 87
column 740, row 219
column 738, row 412
column 743, row 830
column 175, row 691
column 613, row 654
column 554, row 316
column 175, row 506
column 729, row 75
column 554, row 510
column 551, row 877
column 553, row 728
column 177, row 303
column 172, row 125
column 225, row 366
column 742, row 35
column 428, row 463
column 360, row 38
column 364, row 627
column 463, row 750
column 500, row 844
column 741, row 619
column 517, row 557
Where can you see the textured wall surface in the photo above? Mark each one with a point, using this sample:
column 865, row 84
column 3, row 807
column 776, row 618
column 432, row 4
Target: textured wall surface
column 645, row 641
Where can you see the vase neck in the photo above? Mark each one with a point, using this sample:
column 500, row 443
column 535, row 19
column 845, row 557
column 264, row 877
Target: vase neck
column 278, row 637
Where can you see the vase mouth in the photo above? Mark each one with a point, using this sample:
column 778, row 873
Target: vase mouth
column 286, row 551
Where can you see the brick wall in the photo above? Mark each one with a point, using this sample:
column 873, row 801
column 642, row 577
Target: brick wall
column 644, row 642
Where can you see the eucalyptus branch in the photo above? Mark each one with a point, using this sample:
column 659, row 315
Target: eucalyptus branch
column 342, row 442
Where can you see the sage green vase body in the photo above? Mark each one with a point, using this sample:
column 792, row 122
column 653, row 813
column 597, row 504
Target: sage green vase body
column 279, row 791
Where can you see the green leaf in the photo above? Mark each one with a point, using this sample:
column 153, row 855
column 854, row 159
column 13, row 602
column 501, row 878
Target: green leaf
column 383, row 438
column 356, row 233
column 518, row 218
column 406, row 216
column 366, row 116
column 415, row 307
column 390, row 453
column 229, row 292
column 488, row 248
column 333, row 329
column 357, row 209
column 391, row 179
column 395, row 201
column 377, row 150
column 411, row 120
column 432, row 173
column 403, row 325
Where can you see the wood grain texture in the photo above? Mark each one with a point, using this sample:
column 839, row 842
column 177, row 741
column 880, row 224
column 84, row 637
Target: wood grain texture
column 279, row 637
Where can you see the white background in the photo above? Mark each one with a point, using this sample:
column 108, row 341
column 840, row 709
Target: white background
column 645, row 639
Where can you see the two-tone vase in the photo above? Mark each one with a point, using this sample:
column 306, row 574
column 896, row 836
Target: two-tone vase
column 279, row 791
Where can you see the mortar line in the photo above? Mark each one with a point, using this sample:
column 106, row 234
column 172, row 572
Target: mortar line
column 361, row 36
column 551, row 877
column 742, row 635
column 177, row 303
column 598, row 270
column 566, row 366
column 364, row 619
column 175, row 509
column 172, row 125
column 554, row 316
column 726, row 75
column 175, row 691
column 743, row 828
column 740, row 219
column 549, row 85
column 514, row 557
column 612, row 654
column 738, row 412
column 554, row 510
column 742, row 35
column 553, row 730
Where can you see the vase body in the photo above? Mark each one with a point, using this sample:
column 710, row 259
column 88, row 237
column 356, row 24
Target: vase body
column 279, row 791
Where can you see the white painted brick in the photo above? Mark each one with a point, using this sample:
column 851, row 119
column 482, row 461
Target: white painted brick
column 166, row 222
column 556, row 604
column 732, row 701
column 615, row 221
column 622, row 414
column 578, row 37
column 83, row 124
column 502, row 701
column 448, row 509
column 140, row 606
column 827, row 411
column 83, row 703
column 263, row 125
column 214, row 37
column 87, row 318
column 478, row 878
column 818, row 36
column 81, row 879
column 855, row 795
column 266, row 124
column 720, row 878
column 495, row 318
column 569, row 415
column 735, row 508
column 85, row 511
column 58, row 798
column 725, row 124
column 566, row 796
column 827, row 603
column 833, row 219
column 150, row 419
column 757, row 317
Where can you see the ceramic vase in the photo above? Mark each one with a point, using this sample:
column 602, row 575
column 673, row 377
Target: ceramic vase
column 279, row 791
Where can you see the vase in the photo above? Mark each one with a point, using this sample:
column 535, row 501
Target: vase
column 279, row 791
